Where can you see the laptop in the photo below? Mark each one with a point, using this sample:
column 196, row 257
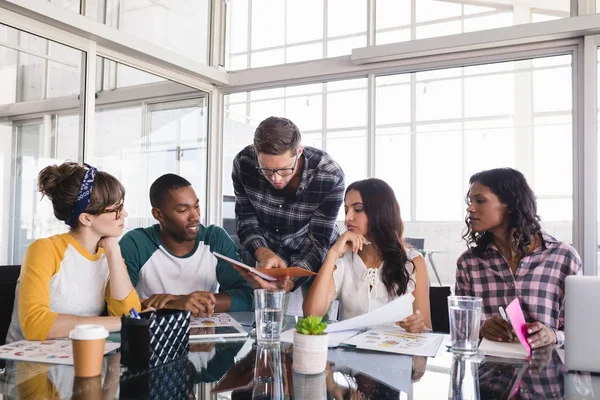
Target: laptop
column 582, row 323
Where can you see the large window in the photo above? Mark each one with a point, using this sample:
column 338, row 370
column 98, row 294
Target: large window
column 145, row 131
column 433, row 130
column 33, row 70
column 331, row 116
column 272, row 32
column 181, row 26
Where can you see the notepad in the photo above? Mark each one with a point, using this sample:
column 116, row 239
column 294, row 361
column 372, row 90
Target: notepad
column 502, row 349
column 521, row 349
column 269, row 274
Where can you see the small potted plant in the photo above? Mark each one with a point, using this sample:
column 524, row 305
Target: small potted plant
column 310, row 346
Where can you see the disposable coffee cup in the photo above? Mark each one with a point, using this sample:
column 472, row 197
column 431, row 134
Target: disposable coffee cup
column 88, row 349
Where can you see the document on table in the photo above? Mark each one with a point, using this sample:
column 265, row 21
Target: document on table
column 392, row 312
column 338, row 332
column 47, row 351
column 393, row 339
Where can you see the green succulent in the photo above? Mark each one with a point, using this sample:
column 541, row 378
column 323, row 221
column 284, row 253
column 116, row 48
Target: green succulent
column 311, row 325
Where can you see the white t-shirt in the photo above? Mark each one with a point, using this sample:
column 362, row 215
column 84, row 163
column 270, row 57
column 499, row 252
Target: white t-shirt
column 353, row 279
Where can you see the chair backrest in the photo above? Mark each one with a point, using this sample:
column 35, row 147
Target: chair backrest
column 9, row 274
column 417, row 243
column 438, row 304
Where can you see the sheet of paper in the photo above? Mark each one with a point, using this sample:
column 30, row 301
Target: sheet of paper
column 246, row 267
column 334, row 338
column 218, row 319
column 48, row 351
column 393, row 339
column 392, row 312
column 517, row 320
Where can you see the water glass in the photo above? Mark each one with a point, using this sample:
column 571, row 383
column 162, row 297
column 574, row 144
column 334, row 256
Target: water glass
column 268, row 311
column 465, row 320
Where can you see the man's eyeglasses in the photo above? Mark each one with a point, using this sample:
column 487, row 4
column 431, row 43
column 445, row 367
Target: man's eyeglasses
column 118, row 210
column 268, row 172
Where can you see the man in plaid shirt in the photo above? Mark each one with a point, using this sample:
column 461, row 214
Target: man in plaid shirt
column 287, row 199
column 511, row 257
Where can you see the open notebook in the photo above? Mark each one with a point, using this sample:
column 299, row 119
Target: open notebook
column 520, row 349
column 504, row 350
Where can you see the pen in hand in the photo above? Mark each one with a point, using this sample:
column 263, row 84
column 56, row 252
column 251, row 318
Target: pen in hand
column 505, row 318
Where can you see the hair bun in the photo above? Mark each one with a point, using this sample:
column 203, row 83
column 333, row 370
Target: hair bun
column 51, row 177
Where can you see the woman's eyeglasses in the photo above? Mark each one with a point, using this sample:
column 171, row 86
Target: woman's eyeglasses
column 118, row 210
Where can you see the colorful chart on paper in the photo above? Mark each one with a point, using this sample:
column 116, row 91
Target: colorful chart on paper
column 219, row 319
column 47, row 351
column 396, row 340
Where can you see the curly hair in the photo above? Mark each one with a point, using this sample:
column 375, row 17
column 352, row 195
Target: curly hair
column 521, row 215
column 385, row 231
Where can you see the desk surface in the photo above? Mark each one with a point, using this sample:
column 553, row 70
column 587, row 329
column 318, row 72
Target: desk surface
column 350, row 372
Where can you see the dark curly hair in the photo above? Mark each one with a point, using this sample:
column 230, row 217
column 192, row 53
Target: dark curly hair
column 512, row 190
column 385, row 231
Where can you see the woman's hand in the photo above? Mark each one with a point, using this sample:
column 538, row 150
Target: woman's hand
column 348, row 241
column 414, row 323
column 109, row 244
column 498, row 330
column 539, row 335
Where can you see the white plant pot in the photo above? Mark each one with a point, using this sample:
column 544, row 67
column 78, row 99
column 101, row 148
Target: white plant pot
column 310, row 353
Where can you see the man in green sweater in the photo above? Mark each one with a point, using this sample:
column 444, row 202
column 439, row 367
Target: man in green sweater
column 171, row 263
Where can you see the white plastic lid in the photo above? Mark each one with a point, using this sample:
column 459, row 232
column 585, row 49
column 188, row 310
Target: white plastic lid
column 88, row 332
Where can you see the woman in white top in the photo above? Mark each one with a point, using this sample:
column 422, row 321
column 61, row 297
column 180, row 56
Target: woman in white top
column 369, row 264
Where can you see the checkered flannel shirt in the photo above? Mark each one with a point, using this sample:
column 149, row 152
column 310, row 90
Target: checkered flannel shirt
column 539, row 282
column 299, row 228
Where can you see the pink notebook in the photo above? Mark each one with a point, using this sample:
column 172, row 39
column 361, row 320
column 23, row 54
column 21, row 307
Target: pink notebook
column 517, row 320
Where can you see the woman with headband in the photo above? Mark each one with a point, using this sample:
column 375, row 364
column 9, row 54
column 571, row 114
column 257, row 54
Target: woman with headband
column 69, row 279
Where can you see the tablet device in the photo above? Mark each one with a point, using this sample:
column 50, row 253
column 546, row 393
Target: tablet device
column 218, row 332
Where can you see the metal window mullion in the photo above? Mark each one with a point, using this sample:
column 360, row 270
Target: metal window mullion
column 585, row 103
column 88, row 103
column 413, row 147
column 324, row 118
column 463, row 144
column 371, row 22
column 325, row 38
column 215, row 151
column 249, row 36
column 371, row 125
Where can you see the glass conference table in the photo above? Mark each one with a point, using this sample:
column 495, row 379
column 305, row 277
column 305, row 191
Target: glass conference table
column 225, row 370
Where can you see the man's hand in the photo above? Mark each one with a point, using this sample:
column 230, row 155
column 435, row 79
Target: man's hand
column 198, row 303
column 413, row 323
column 498, row 330
column 539, row 335
column 268, row 259
column 257, row 282
column 158, row 301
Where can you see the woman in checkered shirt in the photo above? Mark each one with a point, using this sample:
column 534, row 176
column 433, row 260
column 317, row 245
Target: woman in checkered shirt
column 510, row 256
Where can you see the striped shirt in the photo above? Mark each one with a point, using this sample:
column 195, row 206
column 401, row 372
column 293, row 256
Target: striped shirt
column 299, row 228
column 539, row 281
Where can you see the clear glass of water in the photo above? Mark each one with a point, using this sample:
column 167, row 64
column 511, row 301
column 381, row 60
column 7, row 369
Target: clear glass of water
column 268, row 311
column 465, row 320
